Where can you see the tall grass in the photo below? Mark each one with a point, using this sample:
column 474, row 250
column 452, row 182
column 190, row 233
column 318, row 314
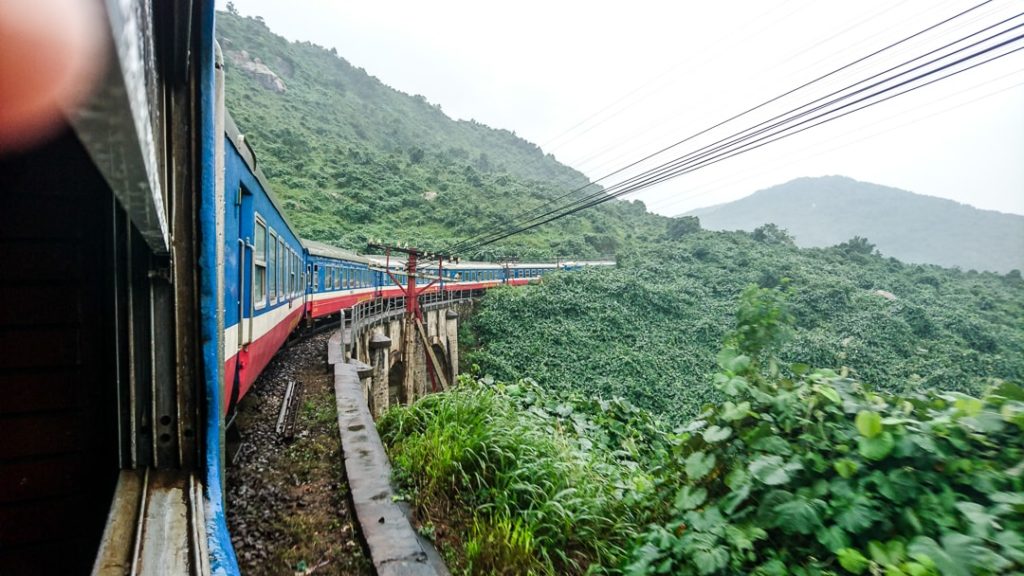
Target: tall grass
column 543, row 501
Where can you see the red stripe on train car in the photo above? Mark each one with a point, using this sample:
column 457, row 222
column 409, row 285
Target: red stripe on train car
column 255, row 357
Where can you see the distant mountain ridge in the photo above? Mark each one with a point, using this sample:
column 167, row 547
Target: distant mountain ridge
column 910, row 227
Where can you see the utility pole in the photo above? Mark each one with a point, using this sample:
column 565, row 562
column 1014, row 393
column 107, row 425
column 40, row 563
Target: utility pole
column 414, row 315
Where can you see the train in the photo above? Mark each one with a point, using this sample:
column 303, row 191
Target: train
column 150, row 275
column 275, row 281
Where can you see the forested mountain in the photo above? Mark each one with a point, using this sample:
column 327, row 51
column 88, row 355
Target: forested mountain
column 826, row 211
column 352, row 158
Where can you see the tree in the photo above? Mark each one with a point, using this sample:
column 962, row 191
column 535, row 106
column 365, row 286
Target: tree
column 231, row 8
column 679, row 227
column 857, row 245
column 772, row 234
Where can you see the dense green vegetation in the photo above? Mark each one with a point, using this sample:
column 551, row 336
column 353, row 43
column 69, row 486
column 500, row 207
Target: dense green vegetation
column 352, row 158
column 825, row 211
column 811, row 473
column 648, row 330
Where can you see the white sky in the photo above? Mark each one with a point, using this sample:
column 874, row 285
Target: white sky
column 655, row 72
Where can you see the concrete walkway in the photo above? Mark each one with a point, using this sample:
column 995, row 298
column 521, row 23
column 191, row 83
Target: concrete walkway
column 394, row 546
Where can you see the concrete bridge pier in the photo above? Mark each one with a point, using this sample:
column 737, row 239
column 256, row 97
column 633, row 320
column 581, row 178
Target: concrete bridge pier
column 451, row 326
column 380, row 352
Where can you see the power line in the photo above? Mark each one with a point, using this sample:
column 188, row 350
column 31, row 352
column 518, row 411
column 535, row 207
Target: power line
column 744, row 143
column 462, row 246
column 718, row 184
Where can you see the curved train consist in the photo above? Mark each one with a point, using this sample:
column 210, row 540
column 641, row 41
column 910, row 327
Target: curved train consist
column 149, row 276
column 274, row 280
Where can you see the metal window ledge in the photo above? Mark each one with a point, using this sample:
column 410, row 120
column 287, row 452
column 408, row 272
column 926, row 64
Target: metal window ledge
column 155, row 526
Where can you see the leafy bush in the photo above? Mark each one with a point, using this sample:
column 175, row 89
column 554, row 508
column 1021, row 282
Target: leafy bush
column 816, row 474
column 648, row 330
column 797, row 471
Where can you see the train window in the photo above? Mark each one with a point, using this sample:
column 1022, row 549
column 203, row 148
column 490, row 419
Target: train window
column 259, row 287
column 309, row 275
column 272, row 266
column 282, row 267
column 316, row 277
column 294, row 274
column 286, row 267
column 338, row 272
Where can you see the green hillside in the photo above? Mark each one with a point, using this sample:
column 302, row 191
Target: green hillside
column 649, row 330
column 352, row 158
column 911, row 227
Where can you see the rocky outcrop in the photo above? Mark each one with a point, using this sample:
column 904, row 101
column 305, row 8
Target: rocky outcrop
column 258, row 70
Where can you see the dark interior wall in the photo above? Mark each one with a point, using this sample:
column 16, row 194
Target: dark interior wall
column 58, row 359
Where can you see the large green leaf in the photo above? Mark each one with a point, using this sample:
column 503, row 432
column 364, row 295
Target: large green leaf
column 698, row 465
column 773, row 470
column 876, row 447
column 869, row 424
column 717, row 434
column 852, row 560
column 799, row 516
column 689, row 498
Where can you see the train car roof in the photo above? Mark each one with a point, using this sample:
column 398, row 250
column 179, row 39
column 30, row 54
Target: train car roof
column 588, row 263
column 533, row 265
column 241, row 145
column 469, row 265
column 327, row 251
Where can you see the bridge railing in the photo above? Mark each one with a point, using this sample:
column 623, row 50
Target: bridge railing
column 371, row 313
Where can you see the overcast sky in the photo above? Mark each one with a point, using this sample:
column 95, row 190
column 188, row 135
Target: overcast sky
column 601, row 84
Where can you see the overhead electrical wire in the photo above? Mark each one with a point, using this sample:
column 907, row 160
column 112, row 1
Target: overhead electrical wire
column 672, row 201
column 657, row 179
column 537, row 211
column 583, row 162
column 654, row 81
column 742, row 142
column 664, row 128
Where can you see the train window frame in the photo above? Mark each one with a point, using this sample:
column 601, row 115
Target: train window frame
column 338, row 273
column 259, row 257
column 316, row 277
column 294, row 274
column 283, row 270
column 272, row 265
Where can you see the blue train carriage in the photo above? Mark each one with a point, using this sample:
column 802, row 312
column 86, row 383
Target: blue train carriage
column 518, row 273
column 571, row 265
column 472, row 275
column 110, row 320
column 338, row 279
column 264, row 270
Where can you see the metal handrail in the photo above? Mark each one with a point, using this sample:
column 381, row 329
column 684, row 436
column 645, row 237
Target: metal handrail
column 370, row 313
